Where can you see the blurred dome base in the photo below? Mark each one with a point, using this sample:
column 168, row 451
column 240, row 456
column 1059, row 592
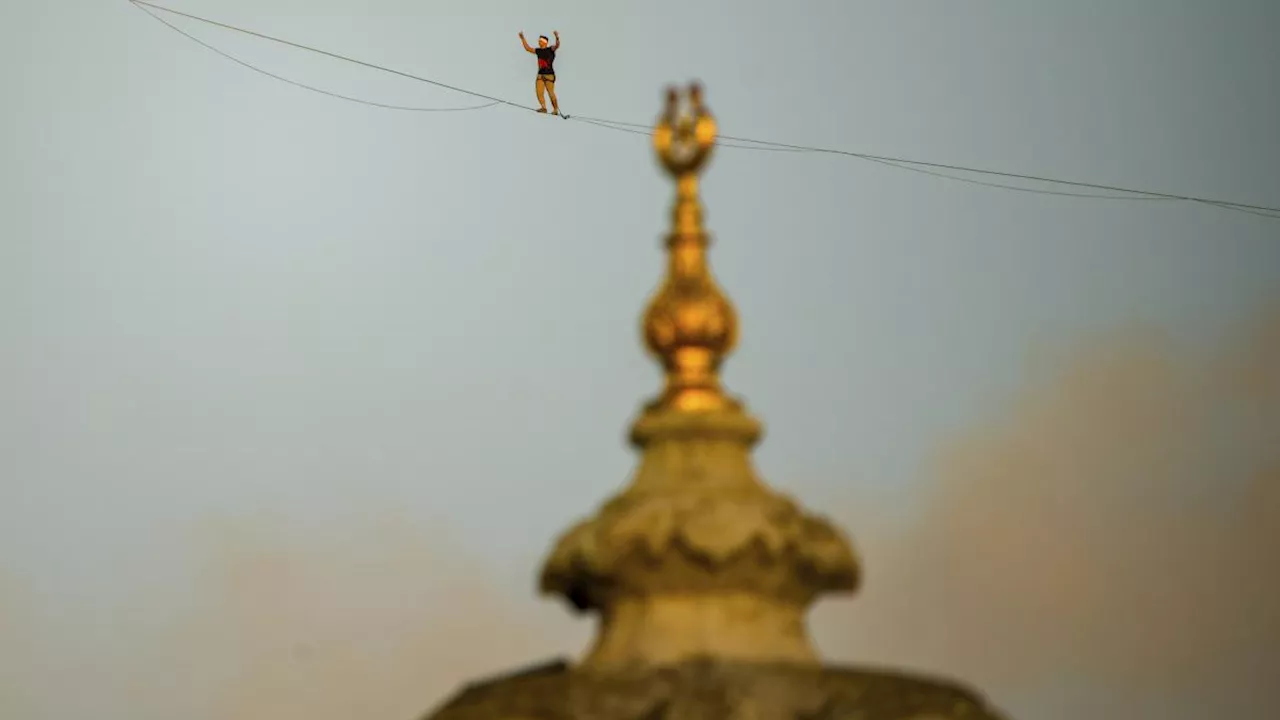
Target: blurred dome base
column 710, row 689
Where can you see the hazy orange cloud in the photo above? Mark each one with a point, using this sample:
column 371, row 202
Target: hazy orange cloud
column 383, row 620
column 1119, row 524
column 17, row 660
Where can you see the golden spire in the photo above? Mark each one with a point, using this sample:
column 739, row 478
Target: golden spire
column 690, row 326
column 697, row 556
column 700, row 573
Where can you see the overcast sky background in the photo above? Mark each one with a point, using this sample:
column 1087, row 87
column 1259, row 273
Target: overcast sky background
column 297, row 392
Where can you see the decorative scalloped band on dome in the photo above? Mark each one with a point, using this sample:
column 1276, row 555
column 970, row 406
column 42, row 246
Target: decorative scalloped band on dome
column 705, row 542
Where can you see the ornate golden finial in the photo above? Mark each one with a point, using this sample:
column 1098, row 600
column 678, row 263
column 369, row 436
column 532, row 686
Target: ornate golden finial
column 698, row 557
column 689, row 325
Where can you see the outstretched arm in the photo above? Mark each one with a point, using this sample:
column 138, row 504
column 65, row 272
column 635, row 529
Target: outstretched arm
column 557, row 45
column 525, row 43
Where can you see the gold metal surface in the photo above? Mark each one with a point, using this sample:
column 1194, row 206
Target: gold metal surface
column 690, row 325
column 700, row 573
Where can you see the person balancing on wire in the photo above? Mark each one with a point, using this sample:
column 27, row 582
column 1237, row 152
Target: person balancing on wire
column 546, row 81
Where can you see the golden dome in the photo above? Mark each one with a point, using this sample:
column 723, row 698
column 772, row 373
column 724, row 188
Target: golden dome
column 701, row 574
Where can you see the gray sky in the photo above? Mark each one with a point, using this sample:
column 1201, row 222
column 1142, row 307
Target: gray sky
column 299, row 391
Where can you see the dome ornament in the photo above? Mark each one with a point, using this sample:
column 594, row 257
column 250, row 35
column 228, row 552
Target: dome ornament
column 690, row 325
column 685, row 137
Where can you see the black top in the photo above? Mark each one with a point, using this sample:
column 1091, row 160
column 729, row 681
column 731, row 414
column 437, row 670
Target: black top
column 546, row 60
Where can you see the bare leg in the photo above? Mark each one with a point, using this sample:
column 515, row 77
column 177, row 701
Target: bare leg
column 538, row 86
column 551, row 90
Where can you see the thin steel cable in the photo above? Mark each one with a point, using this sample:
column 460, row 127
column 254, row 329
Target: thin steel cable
column 905, row 164
column 333, row 55
column 649, row 133
column 295, row 83
column 1059, row 193
column 1002, row 186
column 920, row 166
column 928, row 168
column 1236, row 208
